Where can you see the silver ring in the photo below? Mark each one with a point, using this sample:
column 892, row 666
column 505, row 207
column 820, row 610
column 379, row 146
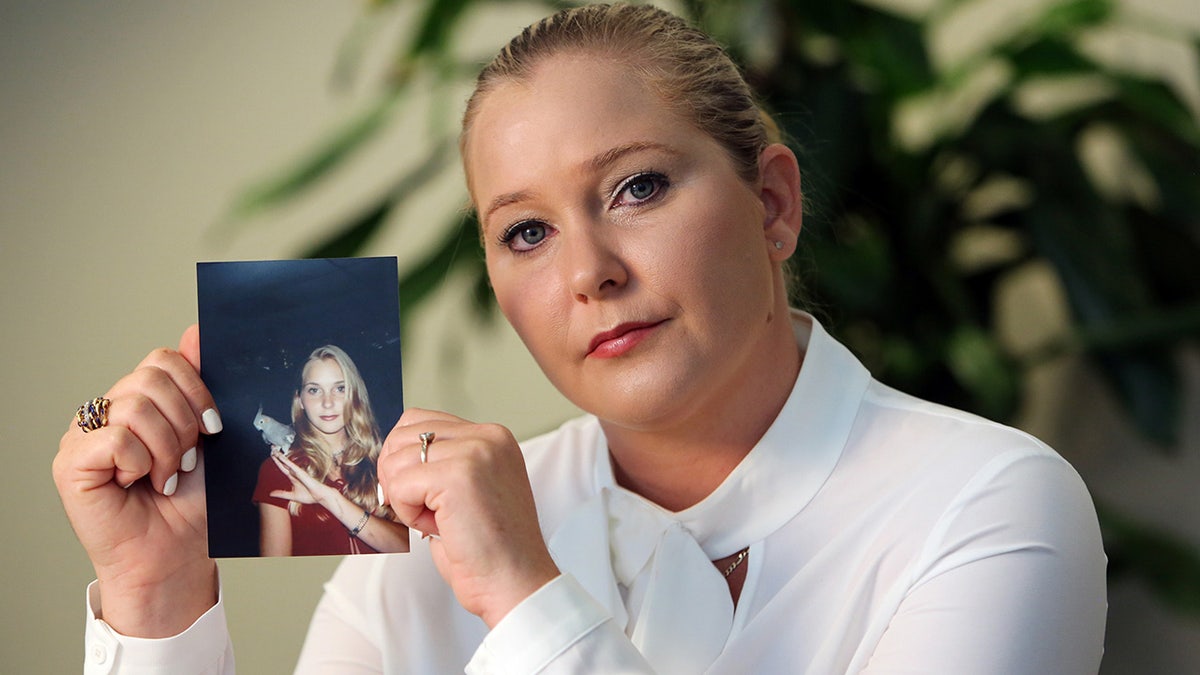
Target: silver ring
column 426, row 438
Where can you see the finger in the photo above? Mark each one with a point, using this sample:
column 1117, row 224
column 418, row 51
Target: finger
column 115, row 457
column 142, row 417
column 399, row 480
column 189, row 345
column 401, row 451
column 150, row 391
column 405, row 437
column 285, row 468
column 398, row 452
column 297, row 474
column 187, row 379
column 189, row 349
column 418, row 416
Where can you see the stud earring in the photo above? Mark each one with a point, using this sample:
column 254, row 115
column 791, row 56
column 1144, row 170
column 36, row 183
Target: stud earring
column 779, row 246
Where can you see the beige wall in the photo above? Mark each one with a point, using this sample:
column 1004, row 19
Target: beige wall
column 125, row 128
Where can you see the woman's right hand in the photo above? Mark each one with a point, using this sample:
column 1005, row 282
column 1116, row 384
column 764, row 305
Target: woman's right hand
column 134, row 493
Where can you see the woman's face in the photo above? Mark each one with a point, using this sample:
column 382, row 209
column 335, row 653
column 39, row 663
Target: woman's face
column 622, row 246
column 323, row 396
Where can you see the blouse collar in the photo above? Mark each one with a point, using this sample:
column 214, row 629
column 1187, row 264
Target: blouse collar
column 789, row 464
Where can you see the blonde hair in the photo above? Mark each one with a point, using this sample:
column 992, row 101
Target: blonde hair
column 688, row 69
column 362, row 435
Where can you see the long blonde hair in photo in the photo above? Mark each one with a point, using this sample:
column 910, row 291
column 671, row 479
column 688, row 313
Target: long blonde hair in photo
column 362, row 435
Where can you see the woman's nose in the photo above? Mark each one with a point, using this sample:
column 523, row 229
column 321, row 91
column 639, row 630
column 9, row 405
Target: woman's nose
column 594, row 267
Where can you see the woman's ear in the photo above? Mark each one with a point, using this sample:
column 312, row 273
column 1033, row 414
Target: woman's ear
column 782, row 199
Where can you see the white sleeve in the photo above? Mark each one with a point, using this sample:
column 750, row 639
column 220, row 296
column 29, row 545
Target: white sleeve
column 338, row 640
column 204, row 648
column 558, row 629
column 1012, row 581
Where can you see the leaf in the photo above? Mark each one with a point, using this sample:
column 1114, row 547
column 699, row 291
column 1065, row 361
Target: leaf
column 1090, row 248
column 1175, row 166
column 435, row 27
column 1169, row 253
column 352, row 238
column 1070, row 16
column 1092, row 253
column 328, row 154
column 1158, row 103
column 1048, row 57
column 350, row 51
column 482, row 297
column 854, row 272
column 1146, row 330
column 893, row 50
column 460, row 247
column 977, row 362
column 1150, row 387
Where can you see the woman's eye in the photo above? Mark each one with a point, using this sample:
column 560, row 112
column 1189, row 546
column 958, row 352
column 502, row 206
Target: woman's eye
column 641, row 188
column 525, row 236
column 312, row 391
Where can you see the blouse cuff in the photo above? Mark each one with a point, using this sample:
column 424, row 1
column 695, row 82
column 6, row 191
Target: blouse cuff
column 539, row 629
column 203, row 647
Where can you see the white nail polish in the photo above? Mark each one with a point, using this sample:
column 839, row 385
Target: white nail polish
column 188, row 461
column 212, row 421
column 171, row 484
column 379, row 494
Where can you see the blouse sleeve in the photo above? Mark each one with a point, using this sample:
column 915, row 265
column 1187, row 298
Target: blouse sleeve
column 558, row 629
column 270, row 478
column 204, row 648
column 1011, row 581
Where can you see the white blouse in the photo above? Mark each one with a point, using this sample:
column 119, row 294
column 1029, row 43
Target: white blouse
column 887, row 535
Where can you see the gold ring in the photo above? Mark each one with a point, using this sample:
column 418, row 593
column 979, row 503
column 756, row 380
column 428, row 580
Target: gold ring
column 426, row 438
column 92, row 415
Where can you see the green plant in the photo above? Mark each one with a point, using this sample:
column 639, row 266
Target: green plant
column 910, row 161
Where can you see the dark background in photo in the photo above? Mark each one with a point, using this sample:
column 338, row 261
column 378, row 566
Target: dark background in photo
column 259, row 321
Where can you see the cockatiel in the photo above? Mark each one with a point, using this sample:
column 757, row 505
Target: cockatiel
column 274, row 432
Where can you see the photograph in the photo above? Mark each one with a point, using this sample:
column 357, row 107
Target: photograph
column 303, row 360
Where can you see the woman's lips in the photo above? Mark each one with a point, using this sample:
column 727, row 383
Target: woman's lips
column 329, row 418
column 620, row 340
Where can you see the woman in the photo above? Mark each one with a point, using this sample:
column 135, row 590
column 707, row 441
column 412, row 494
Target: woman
column 742, row 496
column 320, row 498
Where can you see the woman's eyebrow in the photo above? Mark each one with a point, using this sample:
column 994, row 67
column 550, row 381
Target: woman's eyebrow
column 506, row 199
column 594, row 164
column 608, row 157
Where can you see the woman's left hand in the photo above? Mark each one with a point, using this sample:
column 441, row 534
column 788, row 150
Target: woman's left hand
column 473, row 495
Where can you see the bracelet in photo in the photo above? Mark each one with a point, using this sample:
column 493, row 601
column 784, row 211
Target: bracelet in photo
column 361, row 524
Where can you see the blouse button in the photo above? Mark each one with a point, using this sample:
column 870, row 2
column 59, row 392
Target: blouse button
column 99, row 653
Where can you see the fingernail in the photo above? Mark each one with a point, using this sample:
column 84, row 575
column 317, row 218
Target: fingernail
column 212, row 421
column 379, row 493
column 171, row 484
column 188, row 461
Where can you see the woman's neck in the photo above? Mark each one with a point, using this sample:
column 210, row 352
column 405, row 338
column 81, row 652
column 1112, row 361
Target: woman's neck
column 333, row 444
column 679, row 465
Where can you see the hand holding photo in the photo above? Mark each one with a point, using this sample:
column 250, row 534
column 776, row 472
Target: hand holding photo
column 303, row 360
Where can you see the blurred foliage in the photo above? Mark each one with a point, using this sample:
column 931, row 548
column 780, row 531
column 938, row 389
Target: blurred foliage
column 910, row 161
